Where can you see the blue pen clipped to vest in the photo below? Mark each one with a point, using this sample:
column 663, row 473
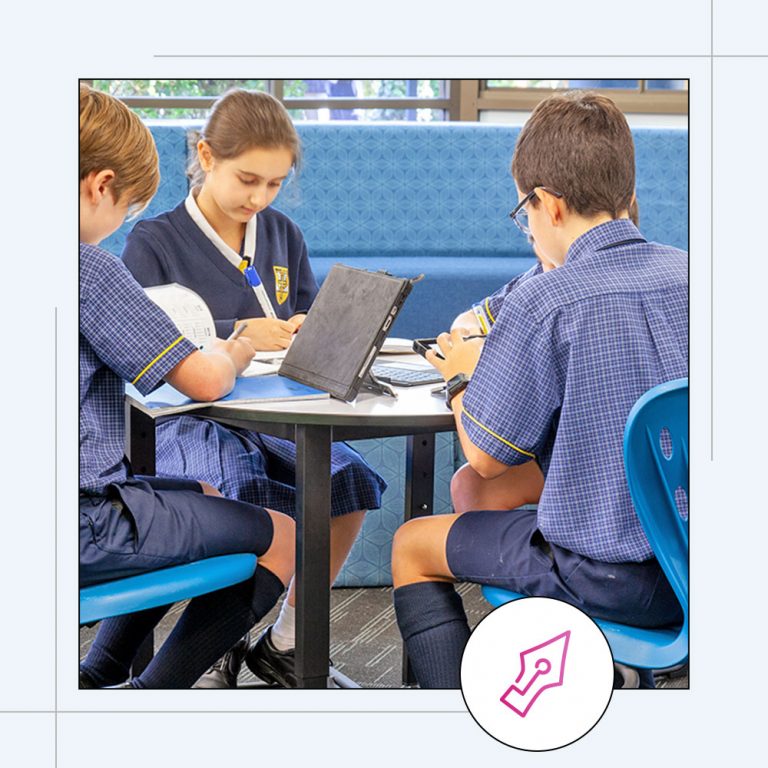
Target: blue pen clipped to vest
column 252, row 276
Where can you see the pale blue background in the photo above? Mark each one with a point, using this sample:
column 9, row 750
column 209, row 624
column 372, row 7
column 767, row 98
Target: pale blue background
column 717, row 718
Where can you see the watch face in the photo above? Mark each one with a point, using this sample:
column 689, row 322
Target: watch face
column 455, row 385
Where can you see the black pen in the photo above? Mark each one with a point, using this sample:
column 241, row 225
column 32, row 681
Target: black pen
column 238, row 330
column 476, row 336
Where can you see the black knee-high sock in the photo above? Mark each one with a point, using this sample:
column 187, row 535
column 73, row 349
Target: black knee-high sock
column 210, row 625
column 434, row 627
column 646, row 678
column 109, row 659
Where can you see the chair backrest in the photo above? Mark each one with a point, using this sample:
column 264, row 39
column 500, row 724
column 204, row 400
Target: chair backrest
column 656, row 464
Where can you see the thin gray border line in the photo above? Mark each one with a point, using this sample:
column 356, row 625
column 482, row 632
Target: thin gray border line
column 57, row 711
column 434, row 56
column 464, row 56
column 55, row 536
column 712, row 232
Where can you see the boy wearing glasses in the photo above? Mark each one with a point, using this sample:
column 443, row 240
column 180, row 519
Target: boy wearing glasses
column 540, row 406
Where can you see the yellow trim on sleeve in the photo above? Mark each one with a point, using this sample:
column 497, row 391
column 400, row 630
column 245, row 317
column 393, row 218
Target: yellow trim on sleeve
column 480, row 317
column 498, row 437
column 163, row 353
column 488, row 311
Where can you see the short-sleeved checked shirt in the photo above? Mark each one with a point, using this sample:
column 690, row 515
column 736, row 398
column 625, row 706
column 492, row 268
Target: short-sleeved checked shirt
column 569, row 354
column 123, row 336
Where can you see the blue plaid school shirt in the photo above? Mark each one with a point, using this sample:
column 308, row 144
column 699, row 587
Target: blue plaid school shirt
column 570, row 352
column 123, row 336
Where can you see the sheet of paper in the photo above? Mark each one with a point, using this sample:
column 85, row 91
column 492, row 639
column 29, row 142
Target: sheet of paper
column 264, row 357
column 258, row 368
column 187, row 310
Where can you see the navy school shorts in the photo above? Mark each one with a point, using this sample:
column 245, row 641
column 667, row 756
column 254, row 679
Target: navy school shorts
column 149, row 523
column 506, row 549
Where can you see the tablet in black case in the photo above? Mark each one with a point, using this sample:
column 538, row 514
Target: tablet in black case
column 345, row 329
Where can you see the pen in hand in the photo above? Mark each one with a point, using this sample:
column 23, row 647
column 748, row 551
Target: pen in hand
column 475, row 336
column 238, row 330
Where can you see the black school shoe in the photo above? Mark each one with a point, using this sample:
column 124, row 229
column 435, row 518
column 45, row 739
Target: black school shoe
column 271, row 665
column 86, row 681
column 223, row 674
column 625, row 677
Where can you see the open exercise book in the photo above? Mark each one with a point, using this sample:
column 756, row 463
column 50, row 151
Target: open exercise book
column 191, row 315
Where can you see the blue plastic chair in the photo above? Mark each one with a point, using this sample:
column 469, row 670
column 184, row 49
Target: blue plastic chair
column 168, row 585
column 656, row 465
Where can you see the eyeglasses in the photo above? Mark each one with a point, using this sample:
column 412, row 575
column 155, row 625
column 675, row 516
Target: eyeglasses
column 520, row 214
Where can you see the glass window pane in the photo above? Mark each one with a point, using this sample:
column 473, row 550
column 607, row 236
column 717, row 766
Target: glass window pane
column 159, row 88
column 527, row 83
column 364, row 89
column 666, row 85
column 624, row 84
column 326, row 115
column 552, row 84
column 176, row 113
column 423, row 90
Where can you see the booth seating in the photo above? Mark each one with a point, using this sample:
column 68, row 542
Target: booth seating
column 429, row 199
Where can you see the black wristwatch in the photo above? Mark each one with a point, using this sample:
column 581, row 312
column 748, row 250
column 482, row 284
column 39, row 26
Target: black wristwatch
column 455, row 385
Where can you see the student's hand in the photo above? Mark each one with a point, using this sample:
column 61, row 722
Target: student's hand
column 460, row 356
column 297, row 321
column 240, row 351
column 267, row 333
column 468, row 321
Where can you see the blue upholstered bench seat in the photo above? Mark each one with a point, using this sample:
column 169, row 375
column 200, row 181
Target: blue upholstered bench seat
column 449, row 285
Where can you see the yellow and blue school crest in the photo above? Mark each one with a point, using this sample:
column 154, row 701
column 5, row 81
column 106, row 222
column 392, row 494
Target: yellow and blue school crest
column 281, row 284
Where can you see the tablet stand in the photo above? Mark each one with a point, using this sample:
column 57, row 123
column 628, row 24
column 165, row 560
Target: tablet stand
column 371, row 383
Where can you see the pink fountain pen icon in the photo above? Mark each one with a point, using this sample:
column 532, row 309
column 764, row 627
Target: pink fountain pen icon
column 541, row 667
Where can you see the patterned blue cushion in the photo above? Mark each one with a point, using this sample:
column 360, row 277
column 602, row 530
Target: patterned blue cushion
column 369, row 562
column 382, row 190
column 393, row 189
column 661, row 158
column 373, row 189
column 171, row 141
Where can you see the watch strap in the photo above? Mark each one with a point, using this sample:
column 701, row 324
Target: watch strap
column 454, row 386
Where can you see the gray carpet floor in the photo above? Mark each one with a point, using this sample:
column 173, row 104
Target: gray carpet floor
column 365, row 642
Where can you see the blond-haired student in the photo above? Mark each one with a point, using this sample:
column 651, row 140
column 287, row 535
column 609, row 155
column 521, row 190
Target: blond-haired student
column 131, row 524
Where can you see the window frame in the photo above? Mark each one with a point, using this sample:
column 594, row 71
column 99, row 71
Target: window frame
column 642, row 100
column 465, row 101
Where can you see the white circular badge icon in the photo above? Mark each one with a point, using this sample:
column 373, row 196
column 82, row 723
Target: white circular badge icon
column 537, row 674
